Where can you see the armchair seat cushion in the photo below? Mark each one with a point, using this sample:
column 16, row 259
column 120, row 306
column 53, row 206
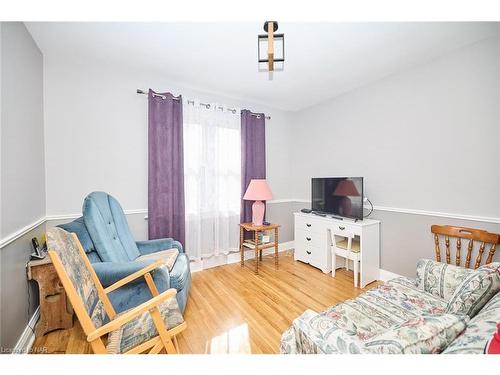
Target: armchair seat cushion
column 180, row 274
column 142, row 328
column 167, row 256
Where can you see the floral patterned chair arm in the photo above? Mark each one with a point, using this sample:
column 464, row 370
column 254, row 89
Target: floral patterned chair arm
column 313, row 333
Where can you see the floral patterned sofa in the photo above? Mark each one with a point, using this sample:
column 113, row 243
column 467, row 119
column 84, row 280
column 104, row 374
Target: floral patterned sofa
column 446, row 309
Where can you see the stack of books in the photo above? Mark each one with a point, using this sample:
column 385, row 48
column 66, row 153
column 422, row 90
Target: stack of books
column 261, row 240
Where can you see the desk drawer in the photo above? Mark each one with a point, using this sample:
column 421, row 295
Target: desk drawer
column 309, row 224
column 309, row 238
column 342, row 229
column 317, row 257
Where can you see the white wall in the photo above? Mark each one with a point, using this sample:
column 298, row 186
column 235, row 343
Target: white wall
column 22, row 187
column 426, row 139
column 96, row 133
column 22, row 150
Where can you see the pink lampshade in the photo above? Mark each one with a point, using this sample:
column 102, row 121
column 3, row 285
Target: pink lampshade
column 346, row 188
column 258, row 190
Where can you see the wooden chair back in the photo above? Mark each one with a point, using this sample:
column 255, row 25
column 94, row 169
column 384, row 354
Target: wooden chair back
column 483, row 237
column 79, row 281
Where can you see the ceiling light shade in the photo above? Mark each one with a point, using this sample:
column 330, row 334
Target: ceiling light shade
column 271, row 48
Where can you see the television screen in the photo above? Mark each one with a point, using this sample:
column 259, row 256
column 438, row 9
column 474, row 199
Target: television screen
column 341, row 196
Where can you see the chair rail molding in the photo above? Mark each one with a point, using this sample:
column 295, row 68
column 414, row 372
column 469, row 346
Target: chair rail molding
column 21, row 232
column 411, row 211
column 485, row 219
column 77, row 215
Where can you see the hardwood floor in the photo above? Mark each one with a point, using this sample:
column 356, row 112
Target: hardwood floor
column 232, row 310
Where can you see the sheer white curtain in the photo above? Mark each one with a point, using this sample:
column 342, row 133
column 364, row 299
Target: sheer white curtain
column 212, row 179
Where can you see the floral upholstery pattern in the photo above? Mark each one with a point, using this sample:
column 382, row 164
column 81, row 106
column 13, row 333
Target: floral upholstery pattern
column 142, row 328
column 475, row 290
column 420, row 335
column 66, row 247
column 479, row 330
column 424, row 334
column 407, row 316
column 370, row 314
column 440, row 279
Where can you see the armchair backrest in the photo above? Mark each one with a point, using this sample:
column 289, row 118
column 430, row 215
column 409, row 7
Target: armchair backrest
column 84, row 290
column 108, row 228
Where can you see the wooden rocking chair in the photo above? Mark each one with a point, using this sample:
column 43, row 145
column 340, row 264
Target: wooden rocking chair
column 150, row 327
column 472, row 235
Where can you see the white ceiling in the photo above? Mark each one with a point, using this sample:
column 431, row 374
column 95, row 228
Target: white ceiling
column 322, row 60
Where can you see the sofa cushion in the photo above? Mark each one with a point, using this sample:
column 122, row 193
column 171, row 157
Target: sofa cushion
column 479, row 330
column 180, row 272
column 475, row 290
column 378, row 309
column 313, row 333
column 440, row 279
column 421, row 335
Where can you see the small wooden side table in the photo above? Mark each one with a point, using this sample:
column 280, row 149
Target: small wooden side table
column 56, row 311
column 249, row 227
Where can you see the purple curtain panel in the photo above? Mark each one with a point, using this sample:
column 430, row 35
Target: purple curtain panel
column 253, row 155
column 166, row 168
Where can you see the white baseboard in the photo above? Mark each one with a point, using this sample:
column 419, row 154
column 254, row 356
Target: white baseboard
column 234, row 257
column 387, row 275
column 27, row 338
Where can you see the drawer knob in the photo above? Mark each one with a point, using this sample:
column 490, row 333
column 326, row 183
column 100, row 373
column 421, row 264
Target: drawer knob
column 308, row 225
column 308, row 252
column 341, row 228
column 308, row 238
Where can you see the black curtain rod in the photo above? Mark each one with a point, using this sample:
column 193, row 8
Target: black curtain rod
column 207, row 106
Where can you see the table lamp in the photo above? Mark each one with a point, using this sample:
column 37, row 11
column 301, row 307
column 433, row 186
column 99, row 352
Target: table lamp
column 258, row 191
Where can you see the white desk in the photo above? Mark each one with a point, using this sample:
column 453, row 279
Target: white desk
column 312, row 242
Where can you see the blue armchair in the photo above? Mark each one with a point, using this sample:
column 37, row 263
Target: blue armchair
column 105, row 236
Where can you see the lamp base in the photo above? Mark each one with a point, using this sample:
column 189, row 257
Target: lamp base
column 258, row 209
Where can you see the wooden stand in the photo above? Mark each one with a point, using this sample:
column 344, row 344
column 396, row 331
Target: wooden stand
column 55, row 309
column 249, row 227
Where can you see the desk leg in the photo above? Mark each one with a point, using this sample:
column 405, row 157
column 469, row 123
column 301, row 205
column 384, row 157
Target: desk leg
column 276, row 248
column 256, row 252
column 241, row 247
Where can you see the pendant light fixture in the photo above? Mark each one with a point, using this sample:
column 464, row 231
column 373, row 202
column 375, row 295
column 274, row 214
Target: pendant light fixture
column 271, row 49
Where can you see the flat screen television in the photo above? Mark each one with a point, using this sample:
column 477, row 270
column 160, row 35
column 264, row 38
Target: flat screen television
column 338, row 196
